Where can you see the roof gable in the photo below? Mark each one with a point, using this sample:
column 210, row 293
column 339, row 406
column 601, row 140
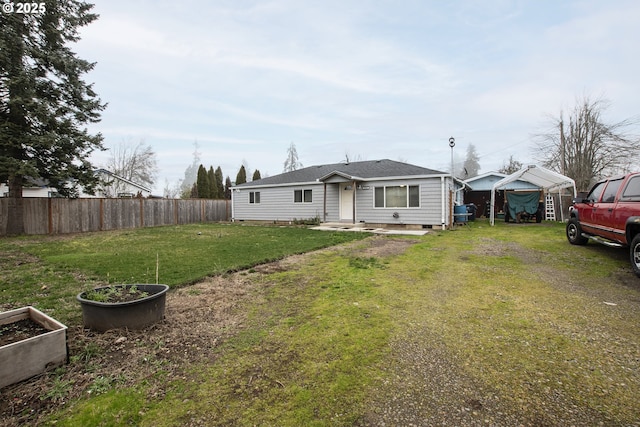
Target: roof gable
column 365, row 170
column 485, row 182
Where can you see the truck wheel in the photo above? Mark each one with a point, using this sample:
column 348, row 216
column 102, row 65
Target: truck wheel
column 634, row 253
column 574, row 233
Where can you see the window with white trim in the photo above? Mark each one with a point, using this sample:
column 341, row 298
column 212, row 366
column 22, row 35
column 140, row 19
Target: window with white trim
column 254, row 197
column 397, row 196
column 302, row 196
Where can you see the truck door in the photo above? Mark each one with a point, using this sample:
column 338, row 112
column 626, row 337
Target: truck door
column 604, row 214
column 628, row 205
column 592, row 202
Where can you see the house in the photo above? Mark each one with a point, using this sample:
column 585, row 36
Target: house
column 33, row 188
column 479, row 188
column 378, row 192
column 112, row 185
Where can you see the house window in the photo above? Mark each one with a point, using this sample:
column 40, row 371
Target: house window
column 397, row 196
column 302, row 196
column 254, row 197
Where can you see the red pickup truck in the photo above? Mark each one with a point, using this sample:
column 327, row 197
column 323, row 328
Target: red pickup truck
column 610, row 214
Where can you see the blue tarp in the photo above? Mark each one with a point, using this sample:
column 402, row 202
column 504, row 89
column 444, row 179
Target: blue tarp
column 523, row 202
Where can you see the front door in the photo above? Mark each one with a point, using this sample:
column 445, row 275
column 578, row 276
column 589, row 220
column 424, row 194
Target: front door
column 346, row 202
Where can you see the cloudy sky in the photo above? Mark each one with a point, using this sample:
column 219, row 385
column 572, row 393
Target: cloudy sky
column 370, row 79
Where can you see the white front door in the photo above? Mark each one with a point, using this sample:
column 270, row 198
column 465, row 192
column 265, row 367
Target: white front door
column 346, row 202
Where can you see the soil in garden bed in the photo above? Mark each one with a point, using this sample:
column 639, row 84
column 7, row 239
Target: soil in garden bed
column 20, row 330
column 115, row 294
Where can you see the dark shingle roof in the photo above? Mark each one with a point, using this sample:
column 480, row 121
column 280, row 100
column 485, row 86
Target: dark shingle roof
column 368, row 169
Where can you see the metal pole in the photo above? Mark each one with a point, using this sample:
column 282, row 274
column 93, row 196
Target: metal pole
column 452, row 143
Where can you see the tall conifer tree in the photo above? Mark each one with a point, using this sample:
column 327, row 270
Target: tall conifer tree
column 202, row 183
column 241, row 178
column 213, row 185
column 45, row 105
column 219, row 183
column 227, row 188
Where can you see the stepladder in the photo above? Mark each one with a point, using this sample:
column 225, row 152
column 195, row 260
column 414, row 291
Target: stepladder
column 550, row 210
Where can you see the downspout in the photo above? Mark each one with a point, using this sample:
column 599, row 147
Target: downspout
column 233, row 214
column 442, row 186
column 324, row 204
column 353, row 185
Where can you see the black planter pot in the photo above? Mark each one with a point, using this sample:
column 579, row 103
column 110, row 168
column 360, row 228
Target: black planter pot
column 102, row 316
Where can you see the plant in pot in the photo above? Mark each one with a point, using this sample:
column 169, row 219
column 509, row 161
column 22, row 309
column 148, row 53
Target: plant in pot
column 134, row 306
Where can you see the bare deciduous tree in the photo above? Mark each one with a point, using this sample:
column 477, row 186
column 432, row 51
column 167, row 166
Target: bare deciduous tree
column 512, row 166
column 135, row 163
column 585, row 147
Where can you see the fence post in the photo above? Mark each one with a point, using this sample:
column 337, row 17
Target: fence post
column 50, row 216
column 101, row 214
column 175, row 211
column 141, row 213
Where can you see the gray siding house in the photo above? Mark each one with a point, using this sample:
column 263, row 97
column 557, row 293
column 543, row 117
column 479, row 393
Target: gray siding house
column 378, row 192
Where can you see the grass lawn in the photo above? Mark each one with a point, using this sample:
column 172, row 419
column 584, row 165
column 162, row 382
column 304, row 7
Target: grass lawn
column 48, row 272
column 546, row 329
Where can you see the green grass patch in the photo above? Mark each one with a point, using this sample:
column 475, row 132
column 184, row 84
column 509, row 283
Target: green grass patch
column 48, row 272
column 541, row 324
column 524, row 311
column 307, row 358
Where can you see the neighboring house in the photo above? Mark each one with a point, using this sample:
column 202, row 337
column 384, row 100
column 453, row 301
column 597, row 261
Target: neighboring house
column 112, row 186
column 116, row 186
column 479, row 191
column 33, row 188
column 382, row 192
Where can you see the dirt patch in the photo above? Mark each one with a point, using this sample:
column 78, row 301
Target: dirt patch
column 20, row 330
column 380, row 246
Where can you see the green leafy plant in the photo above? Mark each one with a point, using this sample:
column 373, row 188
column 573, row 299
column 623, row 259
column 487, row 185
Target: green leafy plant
column 115, row 293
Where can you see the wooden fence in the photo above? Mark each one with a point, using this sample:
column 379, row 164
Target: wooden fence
column 60, row 216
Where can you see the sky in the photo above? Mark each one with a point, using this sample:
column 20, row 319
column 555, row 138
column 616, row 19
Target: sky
column 242, row 80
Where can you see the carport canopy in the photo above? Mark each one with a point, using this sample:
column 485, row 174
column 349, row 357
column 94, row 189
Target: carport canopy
column 547, row 180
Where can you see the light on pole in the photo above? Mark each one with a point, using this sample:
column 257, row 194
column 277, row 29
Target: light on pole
column 452, row 143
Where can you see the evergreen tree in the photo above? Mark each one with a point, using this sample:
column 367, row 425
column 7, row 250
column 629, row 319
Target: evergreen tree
column 256, row 175
column 191, row 173
column 241, row 178
column 202, row 183
column 471, row 164
column 213, row 185
column 227, row 189
column 292, row 163
column 45, row 105
column 219, row 183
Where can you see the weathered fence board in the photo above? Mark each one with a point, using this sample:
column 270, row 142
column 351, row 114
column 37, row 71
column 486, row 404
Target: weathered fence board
column 61, row 216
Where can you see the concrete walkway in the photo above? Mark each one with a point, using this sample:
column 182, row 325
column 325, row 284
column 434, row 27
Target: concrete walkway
column 335, row 226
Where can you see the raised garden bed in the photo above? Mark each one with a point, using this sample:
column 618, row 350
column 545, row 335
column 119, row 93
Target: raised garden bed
column 32, row 343
column 123, row 306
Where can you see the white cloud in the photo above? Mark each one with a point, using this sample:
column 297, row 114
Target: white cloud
column 387, row 79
